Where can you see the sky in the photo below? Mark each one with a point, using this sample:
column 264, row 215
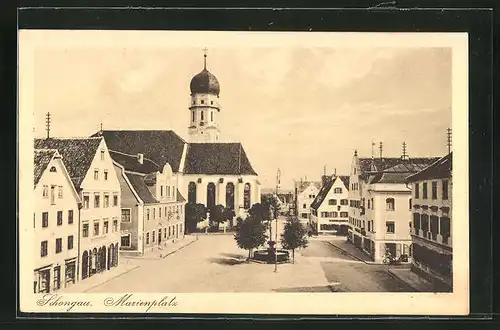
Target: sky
column 296, row 108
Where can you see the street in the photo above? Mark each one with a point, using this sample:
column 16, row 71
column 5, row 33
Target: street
column 214, row 263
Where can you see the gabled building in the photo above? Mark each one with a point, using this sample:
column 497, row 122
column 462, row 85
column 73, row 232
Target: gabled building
column 432, row 223
column 152, row 208
column 305, row 193
column 330, row 208
column 92, row 172
column 380, row 204
column 55, row 223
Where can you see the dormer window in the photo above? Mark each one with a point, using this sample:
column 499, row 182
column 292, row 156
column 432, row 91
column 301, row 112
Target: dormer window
column 53, row 169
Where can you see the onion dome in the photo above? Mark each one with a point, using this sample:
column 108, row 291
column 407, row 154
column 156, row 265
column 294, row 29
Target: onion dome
column 205, row 82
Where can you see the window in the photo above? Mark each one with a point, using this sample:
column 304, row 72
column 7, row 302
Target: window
column 202, row 112
column 52, row 195
column 106, row 226
column 154, row 214
column 70, row 242
column 434, row 189
column 211, row 102
column 86, row 201
column 43, row 249
column 85, row 230
column 147, row 238
column 45, row 219
column 409, row 204
column 45, row 192
column 147, row 214
column 246, row 196
column 125, row 240
column 344, row 214
column 334, row 214
column 344, row 202
column 96, row 174
column 115, row 200
column 58, row 245
column 332, row 202
column 417, row 190
column 169, row 233
column 434, row 223
column 304, row 206
column 159, row 213
column 59, row 218
column 304, row 215
column 161, row 191
column 154, row 235
column 115, row 224
column 96, row 228
column 53, row 169
column 102, row 154
column 444, row 229
column 212, row 114
column 389, row 204
column 60, row 192
column 70, row 217
column 106, row 200
column 369, row 226
column 444, row 189
column 105, row 175
column 337, row 190
column 97, row 200
column 389, row 225
column 424, row 190
column 202, row 102
column 164, row 232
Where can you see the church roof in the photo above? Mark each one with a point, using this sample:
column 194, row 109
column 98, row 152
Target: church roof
column 441, row 169
column 41, row 161
column 217, row 158
column 131, row 163
column 159, row 146
column 78, row 154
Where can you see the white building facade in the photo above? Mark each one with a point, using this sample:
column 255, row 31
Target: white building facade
column 55, row 223
column 305, row 193
column 330, row 208
column 432, row 223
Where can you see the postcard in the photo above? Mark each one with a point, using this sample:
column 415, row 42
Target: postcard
column 299, row 173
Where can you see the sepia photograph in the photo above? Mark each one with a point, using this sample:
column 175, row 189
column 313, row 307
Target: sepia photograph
column 243, row 172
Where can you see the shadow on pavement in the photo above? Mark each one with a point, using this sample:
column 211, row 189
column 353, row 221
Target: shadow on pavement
column 327, row 288
column 228, row 261
column 233, row 255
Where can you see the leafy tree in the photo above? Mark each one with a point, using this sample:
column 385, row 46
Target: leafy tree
column 219, row 214
column 250, row 234
column 194, row 213
column 259, row 211
column 294, row 236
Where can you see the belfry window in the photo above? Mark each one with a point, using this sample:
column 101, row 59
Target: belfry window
column 202, row 115
column 194, row 116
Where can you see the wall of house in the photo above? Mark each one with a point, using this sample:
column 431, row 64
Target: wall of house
column 65, row 203
column 304, row 200
column 338, row 207
column 91, row 215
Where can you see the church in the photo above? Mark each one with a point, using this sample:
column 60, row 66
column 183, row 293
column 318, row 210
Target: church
column 205, row 169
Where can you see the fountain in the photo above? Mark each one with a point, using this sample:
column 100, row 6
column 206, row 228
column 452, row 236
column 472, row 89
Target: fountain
column 269, row 256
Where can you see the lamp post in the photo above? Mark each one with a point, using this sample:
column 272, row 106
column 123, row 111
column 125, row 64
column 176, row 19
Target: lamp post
column 278, row 176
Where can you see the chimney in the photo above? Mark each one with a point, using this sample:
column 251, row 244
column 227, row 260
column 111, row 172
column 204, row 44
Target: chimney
column 140, row 158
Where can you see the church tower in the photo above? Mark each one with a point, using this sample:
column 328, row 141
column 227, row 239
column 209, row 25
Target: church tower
column 204, row 106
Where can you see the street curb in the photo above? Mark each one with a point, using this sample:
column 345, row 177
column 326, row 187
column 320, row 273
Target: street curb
column 350, row 254
column 393, row 275
column 112, row 278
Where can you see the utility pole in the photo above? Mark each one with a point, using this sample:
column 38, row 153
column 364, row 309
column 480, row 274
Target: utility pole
column 448, row 139
column 278, row 178
column 47, row 124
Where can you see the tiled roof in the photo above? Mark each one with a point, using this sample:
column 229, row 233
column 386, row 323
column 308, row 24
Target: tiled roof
column 302, row 185
column 440, row 169
column 217, row 158
column 137, row 182
column 380, row 164
column 400, row 171
column 322, row 193
column 41, row 160
column 180, row 198
column 160, row 146
column 346, row 180
column 78, row 154
column 131, row 163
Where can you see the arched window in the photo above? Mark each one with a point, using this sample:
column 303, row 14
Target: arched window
column 210, row 195
column 194, row 116
column 202, row 115
column 230, row 195
column 369, row 203
column 389, row 204
column 191, row 193
column 246, row 196
column 211, row 116
column 409, row 204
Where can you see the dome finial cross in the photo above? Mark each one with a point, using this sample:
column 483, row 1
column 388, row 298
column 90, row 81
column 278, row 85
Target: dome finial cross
column 205, row 50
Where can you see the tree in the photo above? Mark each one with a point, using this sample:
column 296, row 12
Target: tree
column 294, row 236
column 194, row 213
column 250, row 234
column 219, row 214
column 259, row 212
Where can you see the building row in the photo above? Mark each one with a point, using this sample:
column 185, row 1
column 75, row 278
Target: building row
column 388, row 206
